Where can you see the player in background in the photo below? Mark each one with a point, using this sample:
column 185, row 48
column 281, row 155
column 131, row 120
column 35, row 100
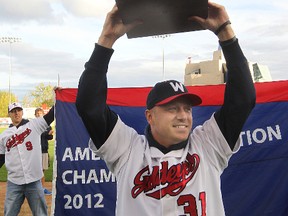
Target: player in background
column 20, row 150
column 170, row 170
column 45, row 136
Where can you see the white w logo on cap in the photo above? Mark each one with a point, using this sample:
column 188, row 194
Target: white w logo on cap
column 177, row 86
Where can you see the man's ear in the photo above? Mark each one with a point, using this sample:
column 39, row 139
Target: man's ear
column 148, row 115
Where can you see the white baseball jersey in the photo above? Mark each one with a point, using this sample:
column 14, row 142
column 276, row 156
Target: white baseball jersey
column 22, row 149
column 181, row 182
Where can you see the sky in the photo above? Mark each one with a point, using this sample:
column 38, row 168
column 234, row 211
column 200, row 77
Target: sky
column 57, row 37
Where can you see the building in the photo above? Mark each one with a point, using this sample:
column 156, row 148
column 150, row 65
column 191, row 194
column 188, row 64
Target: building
column 214, row 71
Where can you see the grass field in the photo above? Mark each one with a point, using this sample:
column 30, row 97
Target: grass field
column 48, row 173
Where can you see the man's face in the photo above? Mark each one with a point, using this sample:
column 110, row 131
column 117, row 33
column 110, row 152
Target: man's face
column 16, row 115
column 171, row 123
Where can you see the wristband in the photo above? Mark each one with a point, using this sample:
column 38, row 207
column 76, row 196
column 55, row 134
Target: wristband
column 222, row 27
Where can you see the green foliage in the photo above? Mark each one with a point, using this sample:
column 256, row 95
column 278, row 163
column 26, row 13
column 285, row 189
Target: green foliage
column 43, row 94
column 4, row 102
column 3, row 174
column 49, row 173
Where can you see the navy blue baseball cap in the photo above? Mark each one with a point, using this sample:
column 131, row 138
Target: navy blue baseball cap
column 166, row 91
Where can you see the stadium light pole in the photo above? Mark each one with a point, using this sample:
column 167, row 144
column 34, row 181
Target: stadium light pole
column 10, row 40
column 163, row 52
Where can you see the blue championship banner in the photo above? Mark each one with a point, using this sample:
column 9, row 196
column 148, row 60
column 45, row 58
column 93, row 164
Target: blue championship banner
column 255, row 182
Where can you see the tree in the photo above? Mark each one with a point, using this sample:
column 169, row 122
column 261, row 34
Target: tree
column 43, row 94
column 4, row 102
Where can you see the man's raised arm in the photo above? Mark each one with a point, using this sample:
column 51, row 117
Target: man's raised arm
column 91, row 105
column 240, row 97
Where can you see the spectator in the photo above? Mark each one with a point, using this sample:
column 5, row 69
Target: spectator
column 45, row 136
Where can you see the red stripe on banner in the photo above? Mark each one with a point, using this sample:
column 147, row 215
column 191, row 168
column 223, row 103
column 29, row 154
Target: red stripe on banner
column 276, row 91
column 66, row 94
column 211, row 95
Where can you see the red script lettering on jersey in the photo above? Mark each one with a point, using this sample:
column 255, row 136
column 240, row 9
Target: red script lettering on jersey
column 174, row 179
column 17, row 139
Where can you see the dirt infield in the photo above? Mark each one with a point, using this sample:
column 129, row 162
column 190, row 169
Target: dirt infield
column 25, row 210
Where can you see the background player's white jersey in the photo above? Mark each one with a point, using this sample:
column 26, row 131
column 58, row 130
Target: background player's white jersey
column 181, row 182
column 22, row 149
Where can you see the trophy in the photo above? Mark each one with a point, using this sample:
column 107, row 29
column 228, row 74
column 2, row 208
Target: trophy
column 161, row 16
